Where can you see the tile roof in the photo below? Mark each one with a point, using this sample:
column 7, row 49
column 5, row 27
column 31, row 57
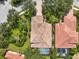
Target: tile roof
column 41, row 33
column 13, row 55
column 69, row 20
column 65, row 33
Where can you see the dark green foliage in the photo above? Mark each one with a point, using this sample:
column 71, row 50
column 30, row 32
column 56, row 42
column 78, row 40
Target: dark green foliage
column 21, row 41
column 57, row 8
column 77, row 15
column 18, row 31
column 69, row 57
column 53, row 53
column 29, row 6
column 73, row 51
column 4, row 34
column 77, row 47
column 17, row 27
column 3, row 44
column 14, row 31
column 16, row 2
column 12, row 40
column 36, row 55
column 28, row 53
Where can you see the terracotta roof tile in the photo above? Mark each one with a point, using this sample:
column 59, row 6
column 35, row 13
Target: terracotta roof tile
column 13, row 55
column 41, row 33
column 65, row 33
column 70, row 21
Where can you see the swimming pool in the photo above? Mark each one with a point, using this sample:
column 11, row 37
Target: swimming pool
column 63, row 51
column 44, row 51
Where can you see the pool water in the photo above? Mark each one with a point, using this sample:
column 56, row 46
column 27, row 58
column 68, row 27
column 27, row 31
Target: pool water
column 63, row 51
column 44, row 51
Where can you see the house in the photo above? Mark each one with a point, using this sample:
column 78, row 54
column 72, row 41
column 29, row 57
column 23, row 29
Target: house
column 41, row 33
column 13, row 55
column 65, row 33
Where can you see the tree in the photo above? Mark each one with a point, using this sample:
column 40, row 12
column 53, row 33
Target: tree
column 68, row 57
column 29, row 7
column 73, row 51
column 15, row 30
column 56, row 8
column 4, row 34
column 28, row 53
column 16, row 2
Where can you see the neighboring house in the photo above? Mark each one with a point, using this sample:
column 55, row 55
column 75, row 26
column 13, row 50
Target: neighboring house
column 13, row 55
column 65, row 33
column 41, row 31
column 66, row 36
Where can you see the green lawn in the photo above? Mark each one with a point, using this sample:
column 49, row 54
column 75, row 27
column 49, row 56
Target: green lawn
column 39, row 57
column 13, row 47
column 46, row 57
column 60, row 58
column 1, row 57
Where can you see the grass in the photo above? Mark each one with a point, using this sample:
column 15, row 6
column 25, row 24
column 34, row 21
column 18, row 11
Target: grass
column 60, row 58
column 46, row 57
column 1, row 57
column 13, row 47
column 37, row 56
column 15, row 32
